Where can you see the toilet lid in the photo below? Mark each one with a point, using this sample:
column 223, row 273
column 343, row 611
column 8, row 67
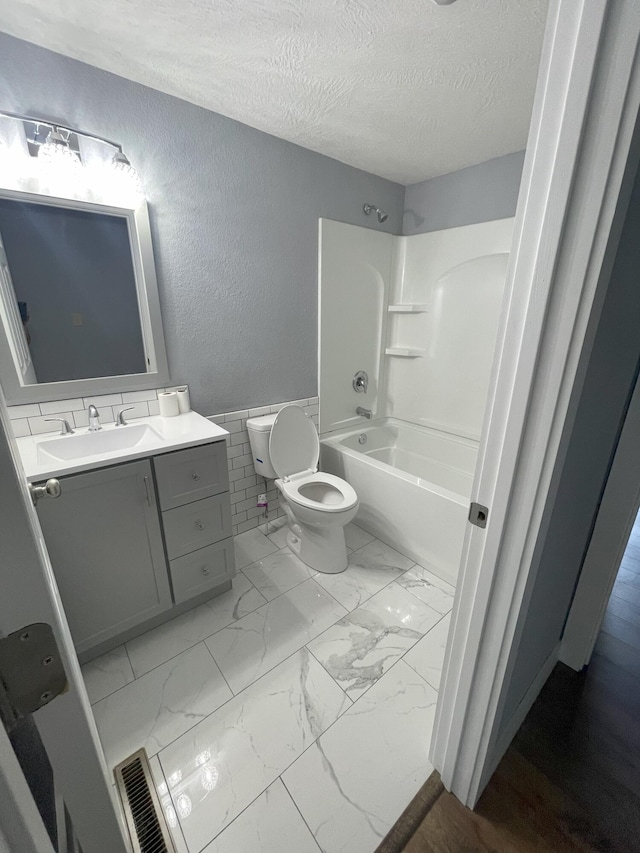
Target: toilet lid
column 293, row 445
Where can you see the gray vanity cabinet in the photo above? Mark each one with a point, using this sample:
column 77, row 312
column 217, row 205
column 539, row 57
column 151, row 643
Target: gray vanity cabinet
column 193, row 489
column 103, row 536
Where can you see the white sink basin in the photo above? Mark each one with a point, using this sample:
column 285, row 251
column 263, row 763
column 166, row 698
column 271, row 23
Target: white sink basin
column 108, row 440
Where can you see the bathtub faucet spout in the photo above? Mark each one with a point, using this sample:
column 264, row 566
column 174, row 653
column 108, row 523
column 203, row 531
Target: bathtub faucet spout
column 364, row 413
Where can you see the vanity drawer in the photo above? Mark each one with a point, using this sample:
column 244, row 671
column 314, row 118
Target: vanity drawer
column 192, row 474
column 192, row 526
column 202, row 570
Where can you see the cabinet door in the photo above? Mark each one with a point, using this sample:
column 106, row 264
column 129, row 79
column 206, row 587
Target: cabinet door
column 191, row 475
column 197, row 525
column 103, row 536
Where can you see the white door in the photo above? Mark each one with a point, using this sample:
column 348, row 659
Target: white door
column 65, row 726
column 575, row 183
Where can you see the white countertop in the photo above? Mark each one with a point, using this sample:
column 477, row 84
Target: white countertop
column 187, row 430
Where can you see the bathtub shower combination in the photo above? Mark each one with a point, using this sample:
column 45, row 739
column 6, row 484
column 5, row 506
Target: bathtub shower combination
column 406, row 435
column 414, row 485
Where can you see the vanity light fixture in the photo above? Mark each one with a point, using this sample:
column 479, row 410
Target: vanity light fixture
column 56, row 152
column 59, row 147
column 125, row 170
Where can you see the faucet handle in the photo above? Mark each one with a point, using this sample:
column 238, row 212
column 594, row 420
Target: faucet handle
column 65, row 428
column 120, row 421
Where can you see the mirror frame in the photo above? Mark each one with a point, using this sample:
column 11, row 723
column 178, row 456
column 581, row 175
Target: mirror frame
column 157, row 375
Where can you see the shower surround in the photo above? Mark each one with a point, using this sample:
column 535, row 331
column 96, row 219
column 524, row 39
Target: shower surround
column 420, row 315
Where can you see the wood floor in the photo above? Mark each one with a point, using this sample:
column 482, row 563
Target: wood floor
column 571, row 779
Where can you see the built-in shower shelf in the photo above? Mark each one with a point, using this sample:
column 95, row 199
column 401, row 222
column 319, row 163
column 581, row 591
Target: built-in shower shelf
column 408, row 309
column 405, row 352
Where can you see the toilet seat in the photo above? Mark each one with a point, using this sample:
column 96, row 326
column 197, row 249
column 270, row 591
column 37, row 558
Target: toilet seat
column 320, row 491
column 294, row 445
column 294, row 448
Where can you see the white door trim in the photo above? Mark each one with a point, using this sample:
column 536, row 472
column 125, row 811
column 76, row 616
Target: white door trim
column 617, row 513
column 66, row 725
column 580, row 138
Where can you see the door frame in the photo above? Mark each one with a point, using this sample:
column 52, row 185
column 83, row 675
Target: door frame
column 66, row 725
column 614, row 522
column 578, row 173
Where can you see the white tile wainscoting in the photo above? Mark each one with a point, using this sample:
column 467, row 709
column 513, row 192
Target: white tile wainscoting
column 292, row 713
column 244, row 484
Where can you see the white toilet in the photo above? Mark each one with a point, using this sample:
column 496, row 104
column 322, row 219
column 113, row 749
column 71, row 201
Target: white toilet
column 286, row 447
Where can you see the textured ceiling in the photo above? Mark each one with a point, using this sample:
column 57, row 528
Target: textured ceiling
column 401, row 88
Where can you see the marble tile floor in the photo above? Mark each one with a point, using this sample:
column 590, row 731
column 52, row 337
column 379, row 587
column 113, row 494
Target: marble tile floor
column 293, row 713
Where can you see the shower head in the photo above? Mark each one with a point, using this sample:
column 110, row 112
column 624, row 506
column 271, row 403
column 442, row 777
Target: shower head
column 371, row 208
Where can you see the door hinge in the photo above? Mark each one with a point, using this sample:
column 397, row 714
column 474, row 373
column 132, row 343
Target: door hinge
column 478, row 515
column 31, row 672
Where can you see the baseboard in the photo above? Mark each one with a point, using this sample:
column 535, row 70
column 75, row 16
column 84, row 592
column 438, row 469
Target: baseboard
column 511, row 729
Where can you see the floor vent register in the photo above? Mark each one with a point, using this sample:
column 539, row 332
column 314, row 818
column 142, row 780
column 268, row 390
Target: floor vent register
column 147, row 826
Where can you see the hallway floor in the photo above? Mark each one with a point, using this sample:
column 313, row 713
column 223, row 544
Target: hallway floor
column 293, row 713
column 584, row 730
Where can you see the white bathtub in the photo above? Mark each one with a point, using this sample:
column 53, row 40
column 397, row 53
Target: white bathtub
column 413, row 484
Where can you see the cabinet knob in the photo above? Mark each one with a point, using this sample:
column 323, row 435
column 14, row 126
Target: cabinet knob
column 205, row 570
column 195, row 477
column 199, row 525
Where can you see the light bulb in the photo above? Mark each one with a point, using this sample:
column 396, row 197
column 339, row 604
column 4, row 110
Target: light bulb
column 126, row 175
column 55, row 152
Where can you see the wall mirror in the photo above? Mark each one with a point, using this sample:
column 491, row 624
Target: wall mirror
column 79, row 309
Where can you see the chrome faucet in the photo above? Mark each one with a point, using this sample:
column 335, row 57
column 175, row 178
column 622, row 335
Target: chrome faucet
column 364, row 413
column 65, row 429
column 94, row 419
column 120, row 421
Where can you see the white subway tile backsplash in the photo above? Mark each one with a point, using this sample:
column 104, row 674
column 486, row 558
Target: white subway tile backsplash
column 233, row 426
column 236, row 475
column 247, row 482
column 261, row 410
column 139, row 396
column 154, row 407
column 102, row 400
column 234, row 452
column 56, row 406
column 30, row 410
column 237, row 438
column 243, row 461
column 20, row 427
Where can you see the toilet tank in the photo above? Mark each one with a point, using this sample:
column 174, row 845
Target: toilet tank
column 259, row 430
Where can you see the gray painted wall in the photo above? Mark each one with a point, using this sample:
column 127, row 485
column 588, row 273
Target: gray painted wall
column 234, row 215
column 65, row 262
column 609, row 382
column 476, row 194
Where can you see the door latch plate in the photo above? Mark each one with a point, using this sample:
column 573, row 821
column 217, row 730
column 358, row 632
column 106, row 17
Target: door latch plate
column 31, row 672
column 478, row 515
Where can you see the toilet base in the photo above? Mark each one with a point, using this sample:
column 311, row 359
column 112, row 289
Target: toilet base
column 323, row 549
